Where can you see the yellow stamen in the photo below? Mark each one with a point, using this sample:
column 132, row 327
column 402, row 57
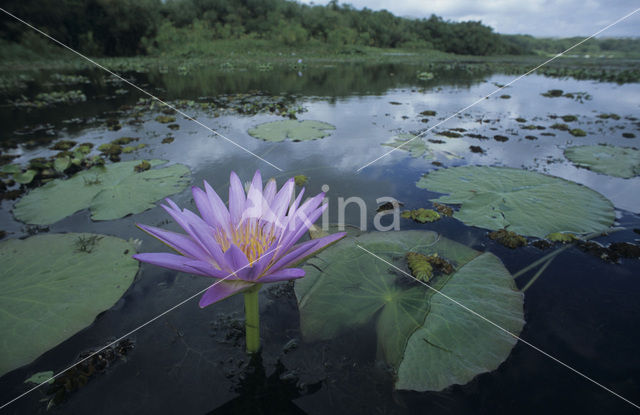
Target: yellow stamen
column 250, row 237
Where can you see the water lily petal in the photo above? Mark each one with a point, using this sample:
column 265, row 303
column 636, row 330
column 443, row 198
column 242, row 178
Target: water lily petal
column 255, row 204
column 204, row 206
column 306, row 249
column 165, row 260
column 204, row 235
column 181, row 243
column 270, row 190
column 221, row 290
column 206, row 268
column 236, row 199
column 220, row 211
column 283, row 275
column 291, row 214
column 281, row 203
column 237, row 262
column 302, row 226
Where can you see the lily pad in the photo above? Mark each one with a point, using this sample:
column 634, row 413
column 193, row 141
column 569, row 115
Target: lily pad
column 40, row 377
column 614, row 161
column 51, row 289
column 277, row 131
column 524, row 202
column 430, row 342
column 61, row 164
column 26, row 177
column 111, row 192
column 406, row 142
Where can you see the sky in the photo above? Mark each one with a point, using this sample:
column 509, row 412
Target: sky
column 542, row 18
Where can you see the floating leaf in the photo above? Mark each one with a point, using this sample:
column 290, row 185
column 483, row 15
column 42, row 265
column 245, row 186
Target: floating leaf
column 26, row 177
column 453, row 346
column 345, row 288
column 614, row 161
column 61, row 164
column 51, row 290
column 277, row 131
column 40, row 377
column 111, row 192
column 524, row 202
column 10, row 169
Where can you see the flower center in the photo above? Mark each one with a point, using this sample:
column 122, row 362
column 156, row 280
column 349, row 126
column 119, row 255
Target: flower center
column 250, row 237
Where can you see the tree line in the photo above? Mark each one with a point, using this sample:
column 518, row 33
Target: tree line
column 137, row 27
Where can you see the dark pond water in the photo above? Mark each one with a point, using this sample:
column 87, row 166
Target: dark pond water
column 583, row 310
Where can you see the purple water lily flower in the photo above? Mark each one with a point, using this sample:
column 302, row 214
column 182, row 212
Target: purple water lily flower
column 253, row 242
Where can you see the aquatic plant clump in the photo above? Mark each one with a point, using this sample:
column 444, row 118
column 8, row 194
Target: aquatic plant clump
column 251, row 243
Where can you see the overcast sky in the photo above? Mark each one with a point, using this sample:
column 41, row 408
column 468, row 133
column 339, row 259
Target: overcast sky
column 559, row 18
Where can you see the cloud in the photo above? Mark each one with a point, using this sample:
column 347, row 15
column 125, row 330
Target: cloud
column 545, row 18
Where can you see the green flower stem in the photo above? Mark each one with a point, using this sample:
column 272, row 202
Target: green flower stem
column 252, row 319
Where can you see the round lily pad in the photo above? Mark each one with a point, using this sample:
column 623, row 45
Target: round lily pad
column 111, row 192
column 53, row 286
column 524, row 202
column 346, row 287
column 613, row 161
column 277, row 131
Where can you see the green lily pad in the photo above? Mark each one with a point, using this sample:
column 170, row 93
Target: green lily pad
column 345, row 287
column 10, row 169
column 26, row 177
column 524, row 202
column 614, row 161
column 40, row 377
column 61, row 164
column 52, row 288
column 277, row 131
column 406, row 142
column 111, row 192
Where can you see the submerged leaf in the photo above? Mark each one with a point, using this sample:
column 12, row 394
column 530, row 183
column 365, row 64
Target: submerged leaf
column 526, row 202
column 414, row 145
column 51, row 290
